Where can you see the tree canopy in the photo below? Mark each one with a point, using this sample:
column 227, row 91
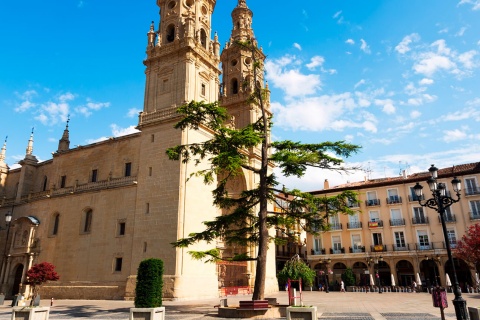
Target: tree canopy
column 229, row 152
column 40, row 273
column 468, row 248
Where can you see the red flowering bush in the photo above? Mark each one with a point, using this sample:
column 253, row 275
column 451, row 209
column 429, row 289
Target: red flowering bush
column 468, row 248
column 39, row 274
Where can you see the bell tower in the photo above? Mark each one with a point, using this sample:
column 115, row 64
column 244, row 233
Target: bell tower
column 239, row 76
column 182, row 58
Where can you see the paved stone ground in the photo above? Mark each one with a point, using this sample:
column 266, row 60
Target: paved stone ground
column 331, row 306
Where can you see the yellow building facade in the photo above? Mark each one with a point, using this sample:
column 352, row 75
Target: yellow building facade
column 393, row 240
column 97, row 211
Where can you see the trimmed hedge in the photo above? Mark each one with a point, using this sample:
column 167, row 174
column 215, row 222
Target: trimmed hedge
column 148, row 291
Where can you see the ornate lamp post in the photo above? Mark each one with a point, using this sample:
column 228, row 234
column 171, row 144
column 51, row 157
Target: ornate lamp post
column 375, row 262
column 435, row 259
column 8, row 218
column 327, row 263
column 439, row 203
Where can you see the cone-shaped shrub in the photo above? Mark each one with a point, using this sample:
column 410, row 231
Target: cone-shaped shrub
column 148, row 291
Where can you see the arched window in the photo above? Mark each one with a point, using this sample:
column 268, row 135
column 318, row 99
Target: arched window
column 170, row 33
column 203, row 38
column 56, row 222
column 234, row 86
column 87, row 224
column 45, row 181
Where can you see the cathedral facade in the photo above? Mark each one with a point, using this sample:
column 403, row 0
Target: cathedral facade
column 97, row 211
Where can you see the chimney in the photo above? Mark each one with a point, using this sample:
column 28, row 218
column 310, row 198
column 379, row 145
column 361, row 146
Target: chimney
column 404, row 173
column 326, row 185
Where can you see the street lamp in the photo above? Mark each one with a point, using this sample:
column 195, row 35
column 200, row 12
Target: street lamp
column 8, row 218
column 326, row 263
column 376, row 262
column 435, row 259
column 439, row 203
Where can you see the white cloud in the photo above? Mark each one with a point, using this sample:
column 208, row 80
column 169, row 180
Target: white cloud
column 387, row 105
column 359, row 83
column 444, row 30
column 461, row 32
column 415, row 114
column 24, row 106
column 475, row 3
column 365, row 47
column 454, row 135
column 283, row 74
column 403, row 46
column 296, row 45
column 118, row 131
column 133, row 112
column 467, row 113
column 467, row 59
column 326, row 112
column 426, row 81
column 350, row 41
column 337, row 14
column 315, row 62
column 86, row 110
column 431, row 63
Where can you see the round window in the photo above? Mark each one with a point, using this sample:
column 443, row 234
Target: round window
column 204, row 10
column 234, row 62
column 172, row 4
column 189, row 3
column 248, row 60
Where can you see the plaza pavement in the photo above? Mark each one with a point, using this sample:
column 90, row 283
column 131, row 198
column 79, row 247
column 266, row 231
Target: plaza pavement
column 331, row 306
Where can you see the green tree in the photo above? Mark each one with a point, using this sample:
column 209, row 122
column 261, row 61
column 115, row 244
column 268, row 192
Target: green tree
column 148, row 290
column 229, row 151
column 348, row 277
column 296, row 269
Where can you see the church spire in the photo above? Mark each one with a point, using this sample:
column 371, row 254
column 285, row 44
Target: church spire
column 30, row 145
column 3, row 152
column 242, row 22
column 29, row 157
column 64, row 142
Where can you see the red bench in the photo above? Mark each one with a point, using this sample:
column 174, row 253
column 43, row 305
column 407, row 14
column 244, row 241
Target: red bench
column 254, row 305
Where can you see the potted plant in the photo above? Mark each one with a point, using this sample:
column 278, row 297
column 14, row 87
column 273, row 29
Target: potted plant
column 37, row 275
column 348, row 278
column 148, row 291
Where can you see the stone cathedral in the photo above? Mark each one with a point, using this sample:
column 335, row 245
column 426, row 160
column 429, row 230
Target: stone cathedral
column 97, row 211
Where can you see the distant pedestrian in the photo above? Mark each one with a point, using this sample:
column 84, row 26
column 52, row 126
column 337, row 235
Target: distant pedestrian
column 342, row 286
column 414, row 286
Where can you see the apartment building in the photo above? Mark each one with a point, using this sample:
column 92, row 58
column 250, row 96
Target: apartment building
column 392, row 239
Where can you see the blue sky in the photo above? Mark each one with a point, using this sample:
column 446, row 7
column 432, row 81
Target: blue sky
column 401, row 78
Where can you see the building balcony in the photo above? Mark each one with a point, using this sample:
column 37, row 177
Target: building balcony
column 372, row 202
column 472, row 191
column 405, row 247
column 394, row 200
column 430, row 246
column 317, row 252
column 475, row 215
column 353, row 204
column 354, row 225
column 414, row 198
column 421, row 220
column 335, row 226
column 337, row 251
column 357, row 249
column 378, row 248
column 78, row 188
column 450, row 218
column 397, row 222
column 375, row 224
